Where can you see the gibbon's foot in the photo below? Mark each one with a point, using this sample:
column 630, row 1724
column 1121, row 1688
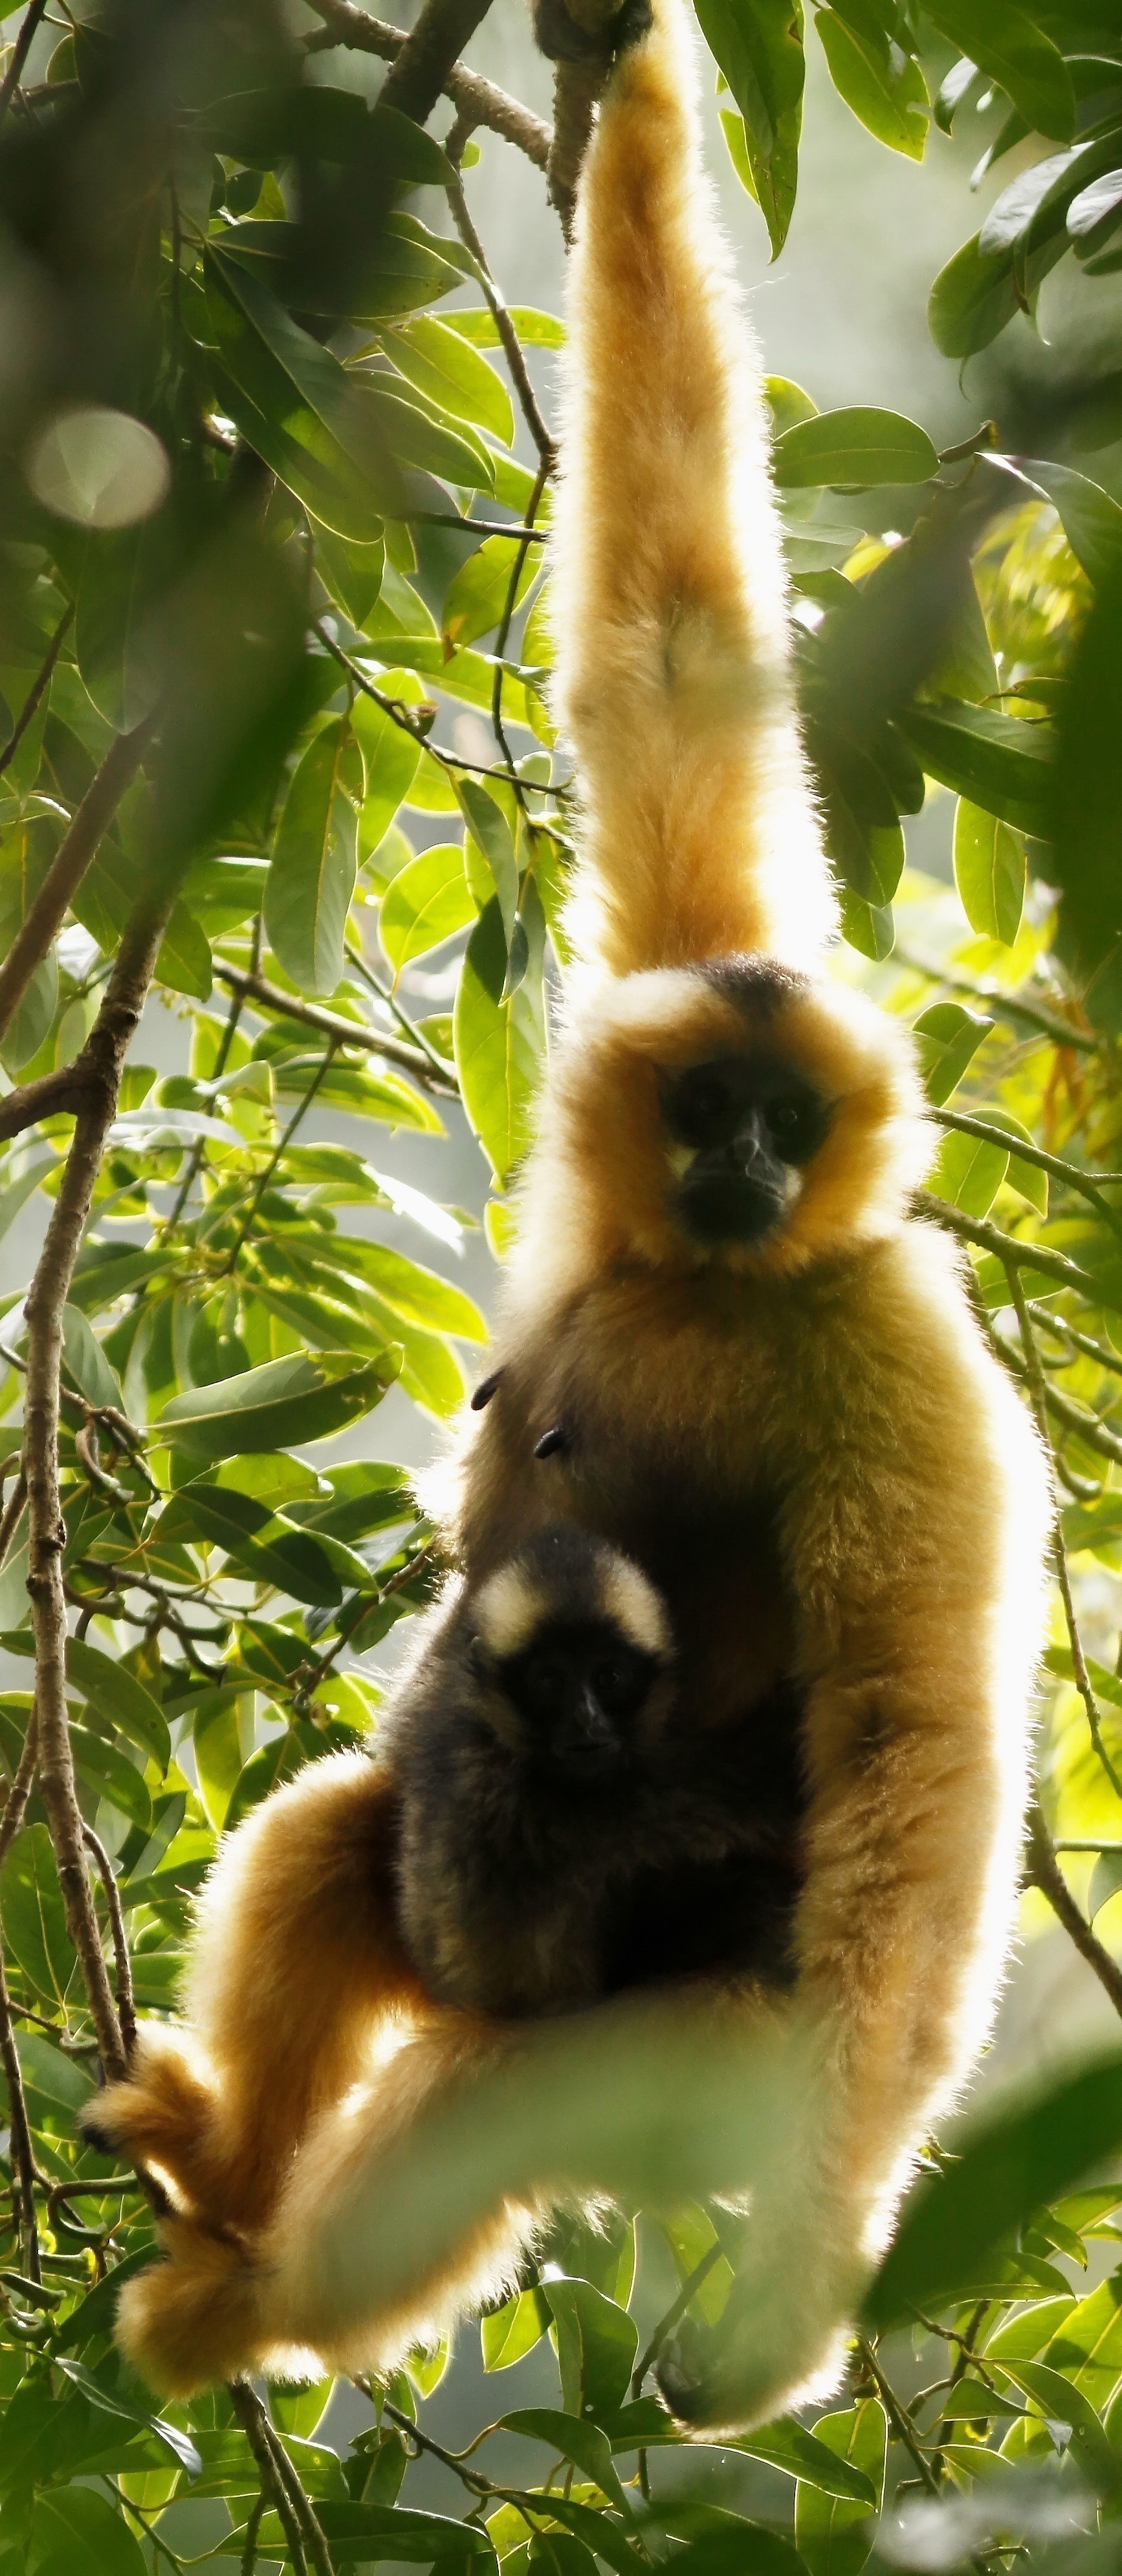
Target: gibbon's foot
column 683, row 2369
column 161, row 2114
column 194, row 2319
column 563, row 40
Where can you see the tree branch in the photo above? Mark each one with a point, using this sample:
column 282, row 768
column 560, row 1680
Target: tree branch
column 415, row 80
column 511, row 344
column 255, row 2425
column 1012, row 1006
column 1044, row 1872
column 1089, row 1184
column 101, row 1063
column 329, row 1024
column 1022, row 1256
column 23, row 2157
column 68, row 867
column 15, row 1804
column 23, row 45
column 478, row 101
column 34, row 696
column 577, row 89
column 126, row 2007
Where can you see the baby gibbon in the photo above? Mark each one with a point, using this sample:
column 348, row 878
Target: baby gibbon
column 561, row 1834
column 727, row 1350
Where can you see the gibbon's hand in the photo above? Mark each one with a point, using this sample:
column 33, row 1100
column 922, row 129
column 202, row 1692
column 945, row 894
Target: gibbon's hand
column 562, row 38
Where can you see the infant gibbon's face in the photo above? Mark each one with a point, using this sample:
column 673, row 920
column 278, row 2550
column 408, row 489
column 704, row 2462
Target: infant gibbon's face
column 578, row 1695
column 572, row 1652
column 740, row 1131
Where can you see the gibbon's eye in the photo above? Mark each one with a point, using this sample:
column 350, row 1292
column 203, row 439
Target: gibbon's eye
column 617, row 1682
column 797, row 1119
column 704, row 1104
column 544, row 1680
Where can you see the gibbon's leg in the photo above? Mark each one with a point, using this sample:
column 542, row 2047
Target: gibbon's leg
column 296, row 1958
column 673, row 678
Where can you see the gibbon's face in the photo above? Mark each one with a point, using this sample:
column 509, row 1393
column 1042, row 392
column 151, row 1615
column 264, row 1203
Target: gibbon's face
column 740, row 1130
column 734, row 1113
column 572, row 1649
column 578, row 1694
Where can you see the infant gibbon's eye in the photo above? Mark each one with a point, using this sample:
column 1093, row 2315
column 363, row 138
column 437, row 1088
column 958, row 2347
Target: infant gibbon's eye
column 705, row 1104
column 796, row 1116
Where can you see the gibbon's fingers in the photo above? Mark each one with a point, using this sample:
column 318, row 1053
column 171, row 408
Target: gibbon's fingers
column 418, row 2200
column 296, row 1959
column 671, row 619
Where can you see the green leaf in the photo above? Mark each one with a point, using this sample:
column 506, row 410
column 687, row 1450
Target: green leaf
column 949, row 1035
column 758, row 45
column 34, row 1916
column 1088, row 2345
column 491, row 833
column 513, row 2330
column 499, row 1045
column 297, row 406
column 476, row 598
column 884, row 87
column 1022, row 1176
column 118, row 1697
column 390, row 758
column 426, row 904
column 968, row 1174
column 853, row 447
column 114, row 1777
column 868, row 927
column 596, row 2342
column 73, row 2527
column 822, row 2464
column 574, row 2439
column 1003, row 41
column 420, row 1295
column 86, row 1363
column 535, row 330
column 739, row 2549
column 1106, row 1876
column 300, row 2410
column 1061, row 2399
column 835, row 2535
column 58, row 2085
column 112, row 2401
column 279, row 1406
column 972, row 299
column 438, row 358
column 999, row 762
column 1092, row 520
column 312, row 877
column 1011, row 2163
column 989, row 867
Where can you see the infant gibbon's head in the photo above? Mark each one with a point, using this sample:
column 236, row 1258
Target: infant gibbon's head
column 738, row 1113
column 572, row 1648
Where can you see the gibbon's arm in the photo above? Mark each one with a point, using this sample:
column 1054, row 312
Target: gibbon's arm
column 673, row 680
column 296, row 1958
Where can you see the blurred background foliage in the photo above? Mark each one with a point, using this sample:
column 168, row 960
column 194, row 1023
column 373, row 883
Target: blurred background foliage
column 279, row 790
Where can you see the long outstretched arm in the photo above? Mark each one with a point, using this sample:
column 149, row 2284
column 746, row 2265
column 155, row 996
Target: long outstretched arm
column 700, row 834
column 297, row 1957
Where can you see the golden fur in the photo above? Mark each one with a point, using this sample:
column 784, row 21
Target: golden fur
column 806, row 1446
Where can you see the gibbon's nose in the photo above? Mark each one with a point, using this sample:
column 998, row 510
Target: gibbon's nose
column 587, row 1744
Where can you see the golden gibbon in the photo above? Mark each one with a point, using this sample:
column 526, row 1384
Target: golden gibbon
column 727, row 1350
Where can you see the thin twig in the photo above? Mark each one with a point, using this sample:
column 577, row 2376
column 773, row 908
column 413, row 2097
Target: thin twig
column 10, row 1518
column 1038, row 1390
column 674, row 2314
column 75, row 851
column 34, row 696
column 511, row 344
column 330, row 1024
column 1087, row 1183
column 255, row 2425
column 1013, row 1006
column 23, row 45
column 103, row 1058
column 444, row 1081
column 509, row 605
column 198, row 1149
column 1043, row 1872
column 126, row 2007
column 22, row 2152
column 15, row 1804
column 1062, row 1407
column 253, row 2526
column 311, row 2529
column 1010, row 1250
column 1066, row 1331
column 280, row 1149
column 898, row 2417
column 405, row 718
column 477, row 99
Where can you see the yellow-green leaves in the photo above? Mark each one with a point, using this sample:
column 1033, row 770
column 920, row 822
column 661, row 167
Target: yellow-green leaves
column 834, row 2534
column 443, row 365
column 498, row 1043
column 477, row 596
column 989, row 867
column 882, row 85
column 312, row 878
column 856, row 446
column 277, row 1406
column 948, row 1035
column 759, row 47
column 1003, row 41
column 425, row 904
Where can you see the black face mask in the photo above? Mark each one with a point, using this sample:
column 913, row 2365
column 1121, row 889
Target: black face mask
column 746, row 1125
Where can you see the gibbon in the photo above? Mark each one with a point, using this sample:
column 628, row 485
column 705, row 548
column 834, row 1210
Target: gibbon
column 726, row 1350
column 562, row 1833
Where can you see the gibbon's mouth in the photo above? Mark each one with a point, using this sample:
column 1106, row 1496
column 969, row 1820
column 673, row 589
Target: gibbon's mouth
column 720, row 1201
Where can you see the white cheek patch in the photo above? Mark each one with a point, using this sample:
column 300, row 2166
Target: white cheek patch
column 630, row 1600
column 507, row 1611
